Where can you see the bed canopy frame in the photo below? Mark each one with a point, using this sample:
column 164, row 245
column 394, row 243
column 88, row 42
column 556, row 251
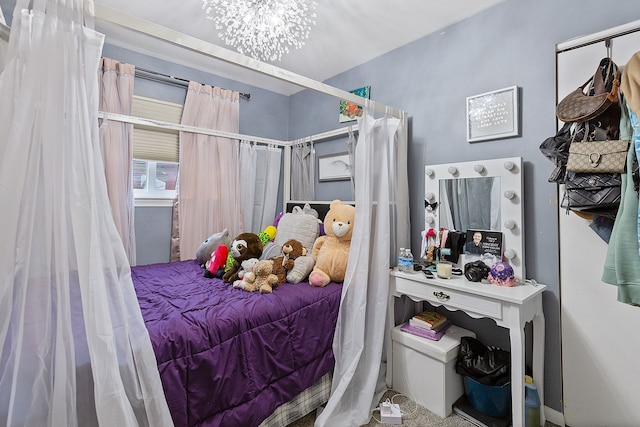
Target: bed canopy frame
column 114, row 17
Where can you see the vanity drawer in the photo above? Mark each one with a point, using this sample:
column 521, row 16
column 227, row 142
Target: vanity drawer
column 454, row 299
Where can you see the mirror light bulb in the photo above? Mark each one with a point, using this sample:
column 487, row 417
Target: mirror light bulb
column 429, row 172
column 509, row 224
column 509, row 194
column 478, row 168
column 510, row 254
column 453, row 170
column 508, row 165
column 430, row 196
column 430, row 220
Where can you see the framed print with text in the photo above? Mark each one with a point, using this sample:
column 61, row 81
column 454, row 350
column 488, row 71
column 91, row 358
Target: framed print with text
column 493, row 115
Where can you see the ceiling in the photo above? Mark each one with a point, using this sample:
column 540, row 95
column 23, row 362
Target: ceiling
column 346, row 34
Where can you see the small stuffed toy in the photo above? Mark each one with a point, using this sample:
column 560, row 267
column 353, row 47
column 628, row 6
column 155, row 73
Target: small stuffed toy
column 291, row 249
column 215, row 266
column 208, row 247
column 261, row 278
column 501, row 274
column 246, row 271
column 268, row 234
column 331, row 251
column 243, row 247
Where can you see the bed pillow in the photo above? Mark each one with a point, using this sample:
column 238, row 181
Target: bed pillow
column 301, row 269
column 297, row 225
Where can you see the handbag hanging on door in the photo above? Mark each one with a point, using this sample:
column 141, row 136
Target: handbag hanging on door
column 601, row 94
column 598, row 156
column 596, row 193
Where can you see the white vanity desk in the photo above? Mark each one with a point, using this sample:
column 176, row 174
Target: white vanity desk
column 510, row 307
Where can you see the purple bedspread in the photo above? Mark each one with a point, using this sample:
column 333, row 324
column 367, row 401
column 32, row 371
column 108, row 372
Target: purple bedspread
column 228, row 357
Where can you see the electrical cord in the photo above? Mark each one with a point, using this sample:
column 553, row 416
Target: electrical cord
column 392, row 401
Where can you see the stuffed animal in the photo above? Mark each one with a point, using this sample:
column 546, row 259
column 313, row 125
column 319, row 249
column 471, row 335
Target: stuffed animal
column 246, row 271
column 215, row 266
column 291, row 249
column 208, row 247
column 268, row 234
column 261, row 278
column 243, row 247
column 331, row 251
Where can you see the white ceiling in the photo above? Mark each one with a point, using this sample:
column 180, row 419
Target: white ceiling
column 348, row 33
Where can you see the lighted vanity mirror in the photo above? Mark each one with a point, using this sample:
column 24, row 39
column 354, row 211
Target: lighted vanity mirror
column 470, row 203
column 479, row 195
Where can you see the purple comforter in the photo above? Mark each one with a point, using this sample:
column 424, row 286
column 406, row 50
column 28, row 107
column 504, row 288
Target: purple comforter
column 228, row 357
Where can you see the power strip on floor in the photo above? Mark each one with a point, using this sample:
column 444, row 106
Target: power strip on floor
column 390, row 413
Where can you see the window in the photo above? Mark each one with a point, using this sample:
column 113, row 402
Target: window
column 155, row 150
column 154, row 179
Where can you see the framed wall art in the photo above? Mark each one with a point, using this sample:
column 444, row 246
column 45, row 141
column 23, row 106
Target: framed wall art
column 350, row 111
column 493, row 115
column 334, row 167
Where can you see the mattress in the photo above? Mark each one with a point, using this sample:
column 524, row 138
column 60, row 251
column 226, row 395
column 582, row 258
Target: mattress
column 227, row 357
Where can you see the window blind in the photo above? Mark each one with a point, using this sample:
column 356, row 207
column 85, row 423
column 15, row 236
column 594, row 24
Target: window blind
column 151, row 143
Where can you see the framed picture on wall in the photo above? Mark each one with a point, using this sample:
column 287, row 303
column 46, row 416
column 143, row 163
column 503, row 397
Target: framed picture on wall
column 350, row 111
column 334, row 167
column 493, row 115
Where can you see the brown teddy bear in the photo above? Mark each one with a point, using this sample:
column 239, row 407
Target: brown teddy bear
column 243, row 247
column 291, row 249
column 261, row 278
column 331, row 251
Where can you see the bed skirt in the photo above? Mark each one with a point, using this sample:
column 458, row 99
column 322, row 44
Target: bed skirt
column 301, row 405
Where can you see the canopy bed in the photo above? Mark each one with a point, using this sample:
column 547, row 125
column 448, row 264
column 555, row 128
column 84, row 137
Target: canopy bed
column 224, row 357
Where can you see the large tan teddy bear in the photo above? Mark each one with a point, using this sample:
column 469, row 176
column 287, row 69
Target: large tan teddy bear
column 331, row 251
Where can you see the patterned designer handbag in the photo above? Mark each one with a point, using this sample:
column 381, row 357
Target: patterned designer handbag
column 598, row 156
column 592, row 192
column 603, row 92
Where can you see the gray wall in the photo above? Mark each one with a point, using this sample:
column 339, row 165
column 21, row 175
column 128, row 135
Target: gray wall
column 513, row 43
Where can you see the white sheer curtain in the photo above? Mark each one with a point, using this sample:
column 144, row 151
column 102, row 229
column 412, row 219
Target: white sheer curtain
column 259, row 189
column 3, row 41
column 74, row 347
column 303, row 160
column 381, row 223
column 208, row 185
column 116, row 142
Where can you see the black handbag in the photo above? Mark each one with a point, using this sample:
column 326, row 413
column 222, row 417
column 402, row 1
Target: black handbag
column 597, row 193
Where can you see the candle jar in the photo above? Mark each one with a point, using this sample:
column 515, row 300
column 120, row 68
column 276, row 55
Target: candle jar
column 443, row 269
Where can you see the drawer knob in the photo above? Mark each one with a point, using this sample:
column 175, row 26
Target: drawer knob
column 441, row 296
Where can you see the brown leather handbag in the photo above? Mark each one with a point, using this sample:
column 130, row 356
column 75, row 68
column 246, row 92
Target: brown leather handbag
column 602, row 93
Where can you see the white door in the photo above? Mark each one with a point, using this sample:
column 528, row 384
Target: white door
column 600, row 336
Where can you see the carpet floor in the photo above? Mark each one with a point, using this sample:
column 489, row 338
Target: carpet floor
column 413, row 415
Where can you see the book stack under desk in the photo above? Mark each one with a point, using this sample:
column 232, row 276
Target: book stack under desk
column 427, row 324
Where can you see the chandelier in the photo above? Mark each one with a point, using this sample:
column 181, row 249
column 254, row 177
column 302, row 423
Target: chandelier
column 262, row 29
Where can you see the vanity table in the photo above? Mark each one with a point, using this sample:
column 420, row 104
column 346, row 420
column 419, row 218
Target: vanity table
column 509, row 307
column 480, row 195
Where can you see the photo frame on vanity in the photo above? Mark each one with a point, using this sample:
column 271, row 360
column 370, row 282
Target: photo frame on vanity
column 483, row 245
column 480, row 195
column 493, row 115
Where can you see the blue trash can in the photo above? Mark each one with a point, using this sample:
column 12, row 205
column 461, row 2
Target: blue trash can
column 491, row 400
